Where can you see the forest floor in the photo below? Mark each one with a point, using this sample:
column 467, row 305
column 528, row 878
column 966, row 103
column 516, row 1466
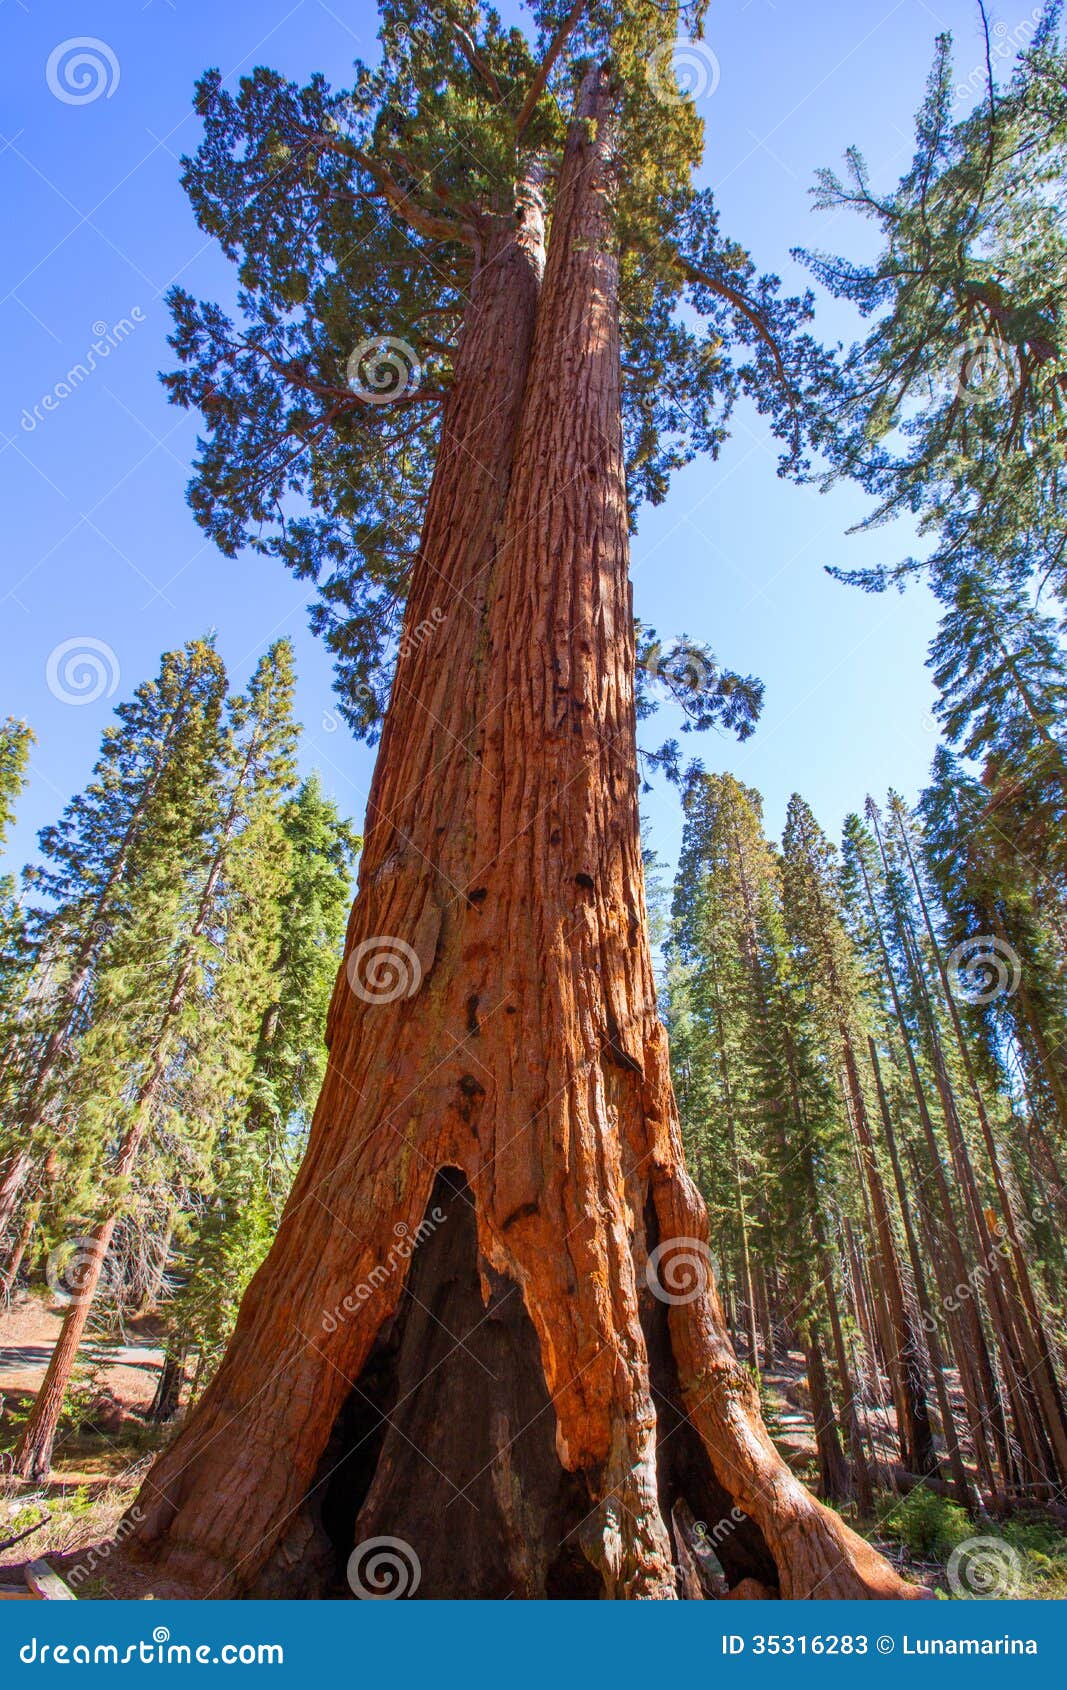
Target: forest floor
column 126, row 1368
column 106, row 1445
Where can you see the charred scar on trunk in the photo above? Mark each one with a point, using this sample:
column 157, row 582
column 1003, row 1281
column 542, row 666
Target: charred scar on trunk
column 477, row 1492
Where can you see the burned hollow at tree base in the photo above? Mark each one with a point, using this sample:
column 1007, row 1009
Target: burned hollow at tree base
column 446, row 1444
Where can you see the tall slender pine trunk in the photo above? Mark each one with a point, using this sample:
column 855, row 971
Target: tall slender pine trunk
column 960, row 1479
column 1034, row 1342
column 987, row 1406
column 1006, row 1312
column 905, row 1357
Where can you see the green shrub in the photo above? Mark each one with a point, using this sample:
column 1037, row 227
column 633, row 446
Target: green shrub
column 929, row 1526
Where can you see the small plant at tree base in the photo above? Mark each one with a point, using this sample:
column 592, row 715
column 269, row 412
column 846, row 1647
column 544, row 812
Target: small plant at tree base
column 929, row 1526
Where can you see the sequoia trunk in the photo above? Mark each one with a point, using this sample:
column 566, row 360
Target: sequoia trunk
column 506, row 1100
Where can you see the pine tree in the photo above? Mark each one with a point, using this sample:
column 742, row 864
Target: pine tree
column 829, row 970
column 970, row 1343
column 1001, row 906
column 16, row 961
column 1027, row 1317
column 258, row 1148
column 15, row 742
column 214, row 868
column 952, row 406
column 289, row 1053
column 713, row 994
column 773, row 1094
column 96, row 860
column 1031, row 1458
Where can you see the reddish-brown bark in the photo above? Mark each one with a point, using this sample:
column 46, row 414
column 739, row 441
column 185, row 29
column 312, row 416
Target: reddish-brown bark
column 961, row 1482
column 1033, row 1337
column 904, row 1352
column 397, row 1069
column 521, row 1089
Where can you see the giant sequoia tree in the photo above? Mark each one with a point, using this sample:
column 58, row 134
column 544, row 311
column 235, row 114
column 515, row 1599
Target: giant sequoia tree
column 528, row 1396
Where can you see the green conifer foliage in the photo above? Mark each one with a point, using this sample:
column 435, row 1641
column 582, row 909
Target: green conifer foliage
column 180, row 989
column 952, row 407
column 15, row 742
column 234, row 1214
column 111, row 880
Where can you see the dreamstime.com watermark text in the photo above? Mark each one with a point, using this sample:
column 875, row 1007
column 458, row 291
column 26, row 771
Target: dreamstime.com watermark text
column 399, row 1253
column 158, row 1650
column 109, row 336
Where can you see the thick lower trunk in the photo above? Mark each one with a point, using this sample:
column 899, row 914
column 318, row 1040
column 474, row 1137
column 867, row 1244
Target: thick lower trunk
column 398, row 1067
column 509, row 1101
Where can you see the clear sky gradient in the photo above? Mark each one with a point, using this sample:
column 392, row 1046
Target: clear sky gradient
column 99, row 545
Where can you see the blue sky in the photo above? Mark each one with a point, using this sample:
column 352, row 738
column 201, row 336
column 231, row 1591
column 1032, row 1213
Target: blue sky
column 99, row 545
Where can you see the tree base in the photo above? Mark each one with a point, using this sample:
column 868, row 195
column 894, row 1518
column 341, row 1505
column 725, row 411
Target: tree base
column 441, row 1475
column 445, row 1445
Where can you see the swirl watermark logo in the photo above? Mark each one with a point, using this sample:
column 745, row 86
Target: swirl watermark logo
column 76, row 1268
column 983, row 968
column 987, row 370
column 383, row 969
column 82, row 70
column 709, row 1537
column 103, row 1551
column 383, row 1569
column 679, row 1270
column 683, row 70
column 680, row 666
column 81, row 670
column 382, row 370
column 984, row 1568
